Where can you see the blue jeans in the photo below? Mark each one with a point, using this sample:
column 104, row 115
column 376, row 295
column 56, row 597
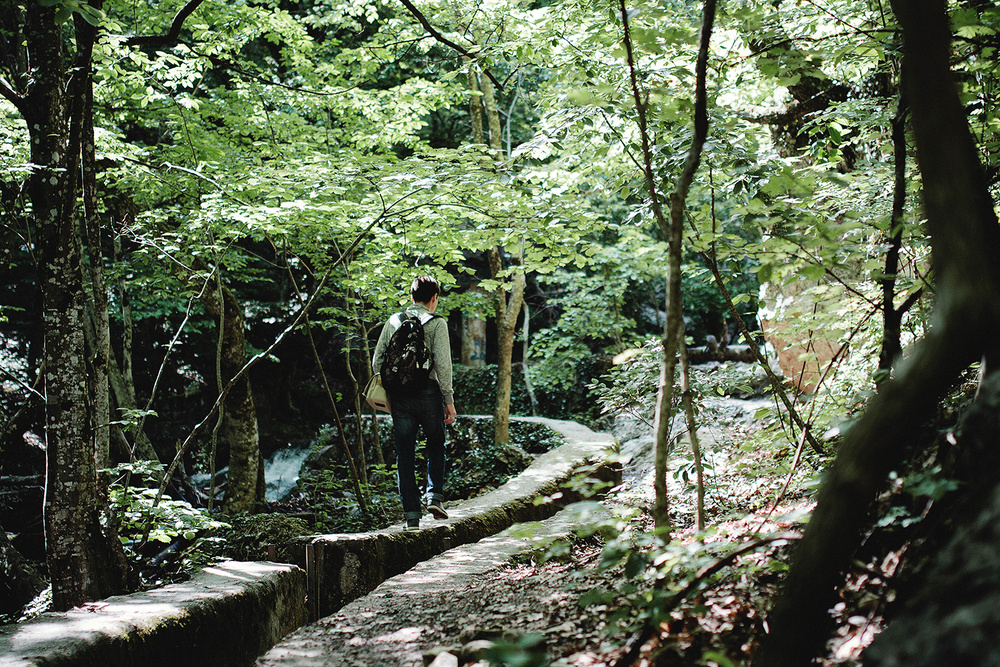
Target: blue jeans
column 410, row 412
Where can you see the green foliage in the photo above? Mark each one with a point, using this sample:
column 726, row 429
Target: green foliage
column 475, row 390
column 916, row 492
column 631, row 384
column 170, row 521
column 132, row 504
column 476, row 464
column 519, row 651
column 667, row 582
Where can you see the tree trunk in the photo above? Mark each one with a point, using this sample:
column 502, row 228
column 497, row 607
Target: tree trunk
column 239, row 423
column 492, row 115
column 507, row 310
column 98, row 295
column 355, row 473
column 356, row 390
column 965, row 239
column 528, row 386
column 473, row 341
column 475, row 102
column 687, row 400
column 122, row 381
column 672, row 231
column 123, row 391
column 84, row 563
column 366, row 353
column 951, row 612
column 892, row 317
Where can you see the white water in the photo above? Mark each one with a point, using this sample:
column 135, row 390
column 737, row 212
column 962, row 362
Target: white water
column 281, row 471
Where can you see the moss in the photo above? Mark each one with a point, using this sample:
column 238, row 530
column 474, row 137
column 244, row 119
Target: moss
column 249, row 536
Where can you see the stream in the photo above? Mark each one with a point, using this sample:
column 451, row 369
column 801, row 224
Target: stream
column 281, row 472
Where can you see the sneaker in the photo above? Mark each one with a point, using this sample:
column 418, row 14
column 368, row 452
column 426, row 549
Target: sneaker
column 437, row 510
column 412, row 524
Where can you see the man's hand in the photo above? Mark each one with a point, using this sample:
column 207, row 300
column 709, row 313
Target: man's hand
column 449, row 413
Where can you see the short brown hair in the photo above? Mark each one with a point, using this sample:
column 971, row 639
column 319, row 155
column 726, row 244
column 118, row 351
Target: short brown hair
column 423, row 289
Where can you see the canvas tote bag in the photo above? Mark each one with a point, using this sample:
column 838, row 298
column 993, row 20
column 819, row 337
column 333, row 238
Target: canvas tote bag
column 376, row 396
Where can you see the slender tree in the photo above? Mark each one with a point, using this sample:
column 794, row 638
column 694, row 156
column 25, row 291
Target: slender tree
column 672, row 230
column 239, row 416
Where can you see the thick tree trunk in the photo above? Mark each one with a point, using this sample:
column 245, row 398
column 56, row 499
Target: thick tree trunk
column 239, row 423
column 965, row 238
column 84, row 563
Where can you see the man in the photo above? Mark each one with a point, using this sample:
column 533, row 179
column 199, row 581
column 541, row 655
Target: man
column 430, row 408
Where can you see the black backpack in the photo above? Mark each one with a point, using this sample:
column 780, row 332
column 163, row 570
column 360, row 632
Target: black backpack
column 406, row 365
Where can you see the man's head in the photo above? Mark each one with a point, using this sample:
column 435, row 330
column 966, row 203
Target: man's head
column 424, row 289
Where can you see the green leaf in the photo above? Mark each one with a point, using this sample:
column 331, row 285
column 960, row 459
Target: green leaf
column 63, row 14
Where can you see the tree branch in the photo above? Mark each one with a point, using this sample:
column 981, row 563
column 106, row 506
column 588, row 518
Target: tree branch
column 173, row 34
column 417, row 14
column 11, row 95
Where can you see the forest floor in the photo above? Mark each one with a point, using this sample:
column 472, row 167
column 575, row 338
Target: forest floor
column 583, row 602
column 568, row 607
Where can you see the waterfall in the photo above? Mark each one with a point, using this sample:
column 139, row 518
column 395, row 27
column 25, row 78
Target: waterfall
column 281, row 471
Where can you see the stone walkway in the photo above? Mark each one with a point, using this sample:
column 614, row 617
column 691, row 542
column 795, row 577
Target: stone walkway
column 176, row 626
column 387, row 627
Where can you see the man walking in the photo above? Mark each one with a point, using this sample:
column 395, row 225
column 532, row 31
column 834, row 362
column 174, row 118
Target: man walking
column 431, row 406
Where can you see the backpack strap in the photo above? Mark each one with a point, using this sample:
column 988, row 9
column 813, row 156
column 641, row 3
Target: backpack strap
column 396, row 319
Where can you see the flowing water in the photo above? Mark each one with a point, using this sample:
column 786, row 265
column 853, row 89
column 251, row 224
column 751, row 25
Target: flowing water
column 281, row 471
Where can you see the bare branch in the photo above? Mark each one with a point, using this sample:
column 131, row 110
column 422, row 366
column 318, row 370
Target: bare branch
column 172, row 35
column 11, row 95
column 417, row 14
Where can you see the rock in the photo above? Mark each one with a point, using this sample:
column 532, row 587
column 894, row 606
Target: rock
column 475, row 650
column 443, row 659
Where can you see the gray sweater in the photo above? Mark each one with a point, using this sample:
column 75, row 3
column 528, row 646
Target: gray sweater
column 435, row 339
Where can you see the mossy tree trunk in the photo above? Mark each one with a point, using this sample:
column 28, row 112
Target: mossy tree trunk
column 239, row 429
column 85, row 559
